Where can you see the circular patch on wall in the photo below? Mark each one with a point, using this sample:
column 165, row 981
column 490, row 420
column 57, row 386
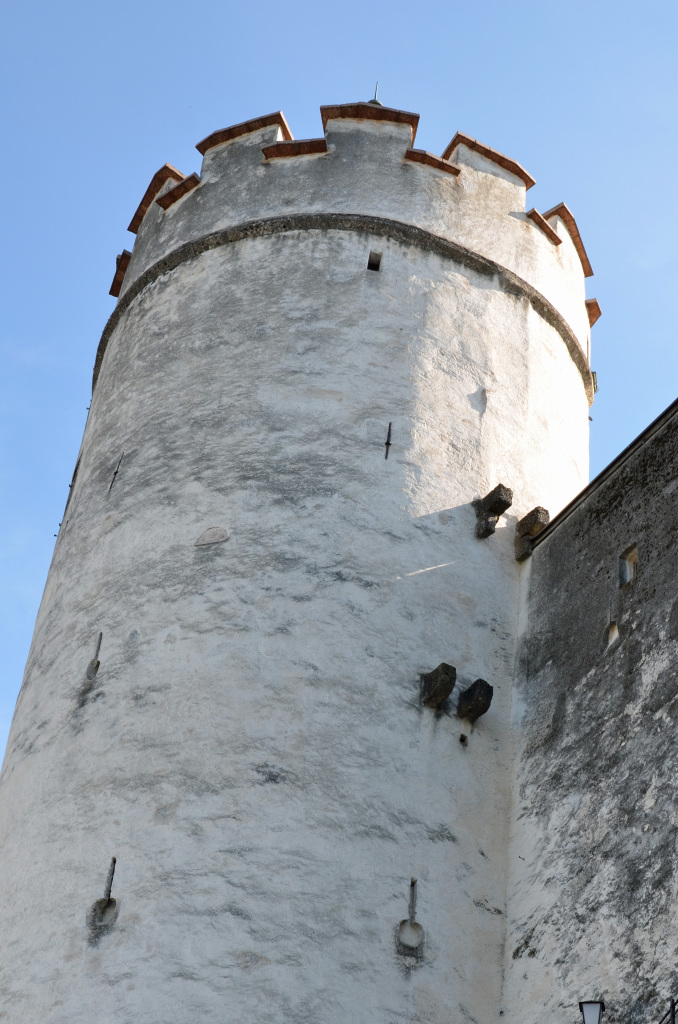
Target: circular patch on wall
column 213, row 535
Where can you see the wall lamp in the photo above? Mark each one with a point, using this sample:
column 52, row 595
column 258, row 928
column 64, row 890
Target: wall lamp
column 592, row 1010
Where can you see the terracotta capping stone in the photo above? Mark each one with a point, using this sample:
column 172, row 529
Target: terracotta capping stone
column 565, row 214
column 369, row 112
column 422, row 156
column 537, row 219
column 301, row 148
column 246, row 128
column 490, row 154
column 166, row 173
column 594, row 311
column 121, row 265
column 168, row 199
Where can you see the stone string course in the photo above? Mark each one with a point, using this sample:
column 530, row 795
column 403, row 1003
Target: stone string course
column 395, row 230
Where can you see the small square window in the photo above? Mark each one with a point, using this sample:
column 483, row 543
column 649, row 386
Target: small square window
column 628, row 565
column 374, row 261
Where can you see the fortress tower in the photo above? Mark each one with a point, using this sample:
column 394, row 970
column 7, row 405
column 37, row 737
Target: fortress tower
column 323, row 353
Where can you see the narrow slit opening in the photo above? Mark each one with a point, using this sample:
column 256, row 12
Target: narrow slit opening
column 628, row 565
column 374, row 261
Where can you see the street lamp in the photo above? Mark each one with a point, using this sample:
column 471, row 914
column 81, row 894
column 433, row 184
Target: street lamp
column 592, row 1010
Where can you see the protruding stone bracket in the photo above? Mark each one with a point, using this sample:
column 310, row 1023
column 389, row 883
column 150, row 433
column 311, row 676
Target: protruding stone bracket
column 436, row 686
column 489, row 508
column 527, row 528
column 475, row 701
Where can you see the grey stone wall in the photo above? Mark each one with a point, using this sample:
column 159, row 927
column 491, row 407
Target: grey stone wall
column 593, row 880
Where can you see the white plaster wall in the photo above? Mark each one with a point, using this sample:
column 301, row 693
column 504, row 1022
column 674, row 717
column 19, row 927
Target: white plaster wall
column 365, row 172
column 254, row 751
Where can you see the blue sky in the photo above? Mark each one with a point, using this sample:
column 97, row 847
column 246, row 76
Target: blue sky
column 97, row 96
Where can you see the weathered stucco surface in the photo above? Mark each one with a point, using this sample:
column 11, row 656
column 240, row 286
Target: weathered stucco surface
column 592, row 890
column 364, row 171
column 253, row 749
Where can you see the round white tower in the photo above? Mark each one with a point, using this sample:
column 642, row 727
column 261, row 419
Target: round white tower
column 323, row 352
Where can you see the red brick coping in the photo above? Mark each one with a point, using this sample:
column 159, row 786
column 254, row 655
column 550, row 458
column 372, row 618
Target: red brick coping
column 490, row 154
column 422, row 156
column 166, row 173
column 594, row 311
column 167, row 199
column 301, row 148
column 542, row 223
column 565, row 214
column 246, row 128
column 121, row 265
column 369, row 112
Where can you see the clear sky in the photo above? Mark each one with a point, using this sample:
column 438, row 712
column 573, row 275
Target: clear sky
column 96, row 96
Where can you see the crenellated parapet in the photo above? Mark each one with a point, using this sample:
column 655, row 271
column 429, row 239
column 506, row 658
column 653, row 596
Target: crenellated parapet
column 365, row 164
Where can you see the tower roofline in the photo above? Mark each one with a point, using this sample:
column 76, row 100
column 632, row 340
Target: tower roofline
column 121, row 265
column 593, row 310
column 246, row 128
column 166, row 173
column 369, row 112
column 302, row 147
column 422, row 156
column 567, row 217
column 329, row 169
column 536, row 217
column 613, row 467
column 177, row 191
column 512, row 166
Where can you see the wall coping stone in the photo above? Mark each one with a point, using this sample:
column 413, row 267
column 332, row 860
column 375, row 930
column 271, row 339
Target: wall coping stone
column 565, row 214
column 172, row 196
column 594, row 311
column 422, row 156
column 166, row 173
column 544, row 225
column 369, row 112
column 613, row 467
column 121, row 265
column 245, row 128
column 291, row 148
column 512, row 166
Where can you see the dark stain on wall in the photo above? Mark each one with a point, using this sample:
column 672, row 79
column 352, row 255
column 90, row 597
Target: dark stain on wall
column 598, row 680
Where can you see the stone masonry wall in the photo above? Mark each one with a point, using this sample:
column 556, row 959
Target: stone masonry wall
column 593, row 892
